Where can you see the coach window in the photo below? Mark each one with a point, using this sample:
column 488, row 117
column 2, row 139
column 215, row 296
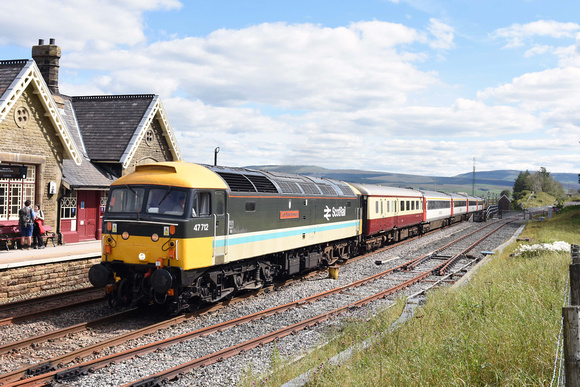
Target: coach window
column 377, row 207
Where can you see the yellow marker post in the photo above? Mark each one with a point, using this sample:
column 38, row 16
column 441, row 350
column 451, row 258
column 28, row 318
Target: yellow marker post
column 333, row 272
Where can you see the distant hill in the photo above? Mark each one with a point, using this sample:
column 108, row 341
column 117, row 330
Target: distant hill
column 492, row 182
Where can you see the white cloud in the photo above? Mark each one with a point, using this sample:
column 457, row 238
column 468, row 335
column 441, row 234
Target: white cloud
column 538, row 49
column 517, row 34
column 557, row 88
column 305, row 67
column 443, row 34
column 78, row 24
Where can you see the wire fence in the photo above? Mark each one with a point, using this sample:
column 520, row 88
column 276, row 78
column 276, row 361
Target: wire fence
column 558, row 375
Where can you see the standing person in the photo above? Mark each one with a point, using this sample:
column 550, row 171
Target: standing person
column 25, row 223
column 38, row 229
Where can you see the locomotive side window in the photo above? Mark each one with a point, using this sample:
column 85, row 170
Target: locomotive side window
column 220, row 203
column 250, row 206
column 202, row 203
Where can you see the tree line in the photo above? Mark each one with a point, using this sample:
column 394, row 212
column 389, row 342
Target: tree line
column 539, row 181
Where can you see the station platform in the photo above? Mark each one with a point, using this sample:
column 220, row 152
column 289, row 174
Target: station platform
column 10, row 259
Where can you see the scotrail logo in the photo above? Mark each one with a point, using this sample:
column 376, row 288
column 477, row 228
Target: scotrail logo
column 334, row 212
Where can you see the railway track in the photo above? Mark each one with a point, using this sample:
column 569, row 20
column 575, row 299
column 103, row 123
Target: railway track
column 408, row 276
column 19, row 311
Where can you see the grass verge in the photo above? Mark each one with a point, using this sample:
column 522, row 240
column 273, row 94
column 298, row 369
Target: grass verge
column 501, row 328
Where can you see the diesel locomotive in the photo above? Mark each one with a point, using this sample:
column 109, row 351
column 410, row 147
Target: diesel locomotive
column 179, row 235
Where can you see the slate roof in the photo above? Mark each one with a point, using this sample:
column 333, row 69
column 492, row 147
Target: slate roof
column 86, row 175
column 107, row 123
column 69, row 117
column 9, row 70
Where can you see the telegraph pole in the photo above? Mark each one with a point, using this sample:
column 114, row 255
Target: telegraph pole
column 473, row 181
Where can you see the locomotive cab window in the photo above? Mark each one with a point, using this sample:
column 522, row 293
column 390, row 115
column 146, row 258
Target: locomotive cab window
column 166, row 201
column 126, row 199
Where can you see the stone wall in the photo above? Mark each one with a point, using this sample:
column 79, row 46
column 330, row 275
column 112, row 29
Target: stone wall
column 29, row 280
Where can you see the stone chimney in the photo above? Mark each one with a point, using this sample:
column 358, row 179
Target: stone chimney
column 47, row 57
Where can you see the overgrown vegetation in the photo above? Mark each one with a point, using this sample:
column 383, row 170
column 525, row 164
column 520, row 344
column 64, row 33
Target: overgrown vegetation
column 539, row 181
column 499, row 329
column 535, row 199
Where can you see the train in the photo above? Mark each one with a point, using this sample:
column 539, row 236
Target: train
column 178, row 235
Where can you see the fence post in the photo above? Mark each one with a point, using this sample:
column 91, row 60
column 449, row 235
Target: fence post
column 571, row 316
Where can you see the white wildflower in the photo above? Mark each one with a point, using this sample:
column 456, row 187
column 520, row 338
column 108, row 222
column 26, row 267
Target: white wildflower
column 536, row 249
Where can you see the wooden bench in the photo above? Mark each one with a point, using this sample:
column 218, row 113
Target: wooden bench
column 12, row 234
column 49, row 235
column 9, row 234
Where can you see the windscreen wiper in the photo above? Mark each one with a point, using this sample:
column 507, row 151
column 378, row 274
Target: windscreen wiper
column 165, row 196
column 132, row 190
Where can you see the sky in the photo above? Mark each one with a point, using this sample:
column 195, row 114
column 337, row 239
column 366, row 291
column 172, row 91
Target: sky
column 425, row 87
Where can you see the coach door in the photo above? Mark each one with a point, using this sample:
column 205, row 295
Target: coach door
column 221, row 234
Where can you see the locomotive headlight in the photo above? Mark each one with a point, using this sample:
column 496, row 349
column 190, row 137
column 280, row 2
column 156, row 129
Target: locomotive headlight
column 142, row 256
column 155, row 237
column 125, row 235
